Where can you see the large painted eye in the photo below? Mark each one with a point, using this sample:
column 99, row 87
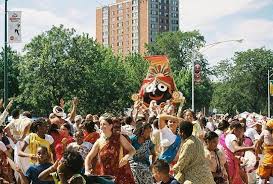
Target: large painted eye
column 162, row 87
column 150, row 88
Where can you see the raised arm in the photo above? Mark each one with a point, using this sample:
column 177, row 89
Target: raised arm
column 75, row 103
column 45, row 175
column 164, row 117
column 5, row 114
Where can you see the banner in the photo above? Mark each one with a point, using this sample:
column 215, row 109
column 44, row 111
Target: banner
column 14, row 27
column 271, row 87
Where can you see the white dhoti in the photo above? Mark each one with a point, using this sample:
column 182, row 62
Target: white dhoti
column 22, row 162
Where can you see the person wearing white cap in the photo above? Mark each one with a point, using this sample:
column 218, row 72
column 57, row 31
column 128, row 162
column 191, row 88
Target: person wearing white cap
column 59, row 116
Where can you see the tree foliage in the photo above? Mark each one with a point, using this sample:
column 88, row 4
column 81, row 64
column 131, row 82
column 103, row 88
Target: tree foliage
column 13, row 60
column 244, row 87
column 61, row 64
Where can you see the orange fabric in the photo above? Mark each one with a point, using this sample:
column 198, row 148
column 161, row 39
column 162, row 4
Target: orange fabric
column 270, row 123
column 265, row 169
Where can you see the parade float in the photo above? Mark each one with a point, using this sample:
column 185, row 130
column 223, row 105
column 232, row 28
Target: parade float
column 158, row 86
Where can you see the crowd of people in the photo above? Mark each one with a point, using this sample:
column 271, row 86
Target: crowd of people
column 152, row 145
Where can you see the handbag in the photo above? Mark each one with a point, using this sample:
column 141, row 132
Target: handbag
column 218, row 178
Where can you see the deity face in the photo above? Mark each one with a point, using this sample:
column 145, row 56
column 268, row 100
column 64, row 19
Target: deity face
column 156, row 91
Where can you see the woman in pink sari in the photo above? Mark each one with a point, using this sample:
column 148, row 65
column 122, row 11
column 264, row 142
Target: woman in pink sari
column 230, row 144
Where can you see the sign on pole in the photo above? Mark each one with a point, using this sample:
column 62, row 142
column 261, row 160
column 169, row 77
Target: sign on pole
column 271, row 87
column 14, row 27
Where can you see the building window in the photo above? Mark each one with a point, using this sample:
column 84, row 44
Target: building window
column 153, row 19
column 120, row 38
column 153, row 26
column 119, row 31
column 135, row 1
column 119, row 44
column 153, row 12
column 119, row 6
column 174, row 15
column 119, row 18
column 175, row 21
column 135, row 14
column 119, row 11
column 154, row 6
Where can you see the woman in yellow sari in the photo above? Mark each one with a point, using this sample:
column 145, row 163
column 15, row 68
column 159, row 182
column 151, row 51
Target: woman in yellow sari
column 36, row 139
column 265, row 170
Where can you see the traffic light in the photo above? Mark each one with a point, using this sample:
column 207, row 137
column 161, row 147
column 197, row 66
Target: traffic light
column 197, row 73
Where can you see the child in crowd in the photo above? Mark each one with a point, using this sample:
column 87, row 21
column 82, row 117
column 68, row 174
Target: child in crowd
column 66, row 171
column 161, row 171
column 31, row 175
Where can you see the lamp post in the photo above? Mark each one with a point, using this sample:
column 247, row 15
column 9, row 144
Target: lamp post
column 268, row 94
column 6, row 58
column 206, row 47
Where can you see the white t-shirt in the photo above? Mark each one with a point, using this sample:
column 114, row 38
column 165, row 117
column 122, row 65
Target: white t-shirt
column 3, row 146
column 167, row 137
column 48, row 138
column 252, row 134
column 228, row 140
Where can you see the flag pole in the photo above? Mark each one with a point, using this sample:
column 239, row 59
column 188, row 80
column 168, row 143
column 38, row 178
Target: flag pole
column 6, row 58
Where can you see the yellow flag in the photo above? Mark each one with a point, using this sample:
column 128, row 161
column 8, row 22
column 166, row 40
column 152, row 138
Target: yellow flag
column 271, row 88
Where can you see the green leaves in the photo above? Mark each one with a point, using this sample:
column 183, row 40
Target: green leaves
column 61, row 64
column 244, row 83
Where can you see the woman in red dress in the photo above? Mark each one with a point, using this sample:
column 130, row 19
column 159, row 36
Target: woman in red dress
column 109, row 149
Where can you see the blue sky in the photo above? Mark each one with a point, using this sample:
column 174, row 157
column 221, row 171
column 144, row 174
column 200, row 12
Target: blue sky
column 217, row 20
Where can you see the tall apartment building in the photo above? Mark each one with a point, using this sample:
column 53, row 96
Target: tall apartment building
column 127, row 25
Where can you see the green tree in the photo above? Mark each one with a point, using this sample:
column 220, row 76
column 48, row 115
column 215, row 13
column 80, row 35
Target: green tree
column 13, row 60
column 61, row 64
column 245, row 84
column 178, row 46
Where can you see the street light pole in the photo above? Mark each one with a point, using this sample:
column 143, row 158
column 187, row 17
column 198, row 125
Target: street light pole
column 268, row 92
column 6, row 58
column 193, row 59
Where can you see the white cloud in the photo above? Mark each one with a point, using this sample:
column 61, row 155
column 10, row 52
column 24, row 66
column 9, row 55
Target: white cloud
column 255, row 32
column 35, row 22
column 208, row 16
column 201, row 13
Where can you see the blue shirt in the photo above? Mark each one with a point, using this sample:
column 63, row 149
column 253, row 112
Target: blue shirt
column 143, row 155
column 34, row 171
